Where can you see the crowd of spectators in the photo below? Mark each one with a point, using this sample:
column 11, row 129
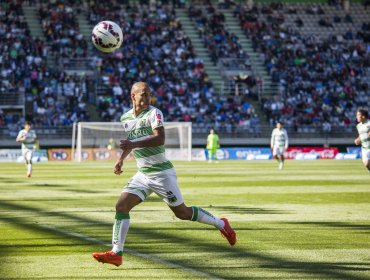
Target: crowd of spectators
column 61, row 29
column 322, row 81
column 54, row 97
column 216, row 38
column 155, row 49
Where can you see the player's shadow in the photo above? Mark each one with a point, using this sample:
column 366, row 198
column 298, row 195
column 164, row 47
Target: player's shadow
column 83, row 191
column 247, row 210
column 178, row 248
column 10, row 181
column 47, row 185
column 340, row 225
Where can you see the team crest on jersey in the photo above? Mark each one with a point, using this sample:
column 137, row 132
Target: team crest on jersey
column 142, row 122
column 159, row 119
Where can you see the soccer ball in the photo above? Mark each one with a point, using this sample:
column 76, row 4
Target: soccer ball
column 107, row 36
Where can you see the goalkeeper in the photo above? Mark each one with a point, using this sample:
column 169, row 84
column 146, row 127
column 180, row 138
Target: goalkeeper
column 212, row 145
column 146, row 136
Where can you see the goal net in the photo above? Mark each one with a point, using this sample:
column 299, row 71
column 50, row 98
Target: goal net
column 100, row 140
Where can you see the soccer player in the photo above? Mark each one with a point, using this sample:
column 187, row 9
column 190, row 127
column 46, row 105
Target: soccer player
column 212, row 145
column 146, row 137
column 279, row 142
column 363, row 128
column 28, row 139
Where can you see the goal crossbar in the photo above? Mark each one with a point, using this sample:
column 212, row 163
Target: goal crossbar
column 96, row 135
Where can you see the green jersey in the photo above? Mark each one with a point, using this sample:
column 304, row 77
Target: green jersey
column 363, row 132
column 149, row 160
column 212, row 142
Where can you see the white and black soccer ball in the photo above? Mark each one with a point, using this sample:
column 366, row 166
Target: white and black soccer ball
column 107, row 36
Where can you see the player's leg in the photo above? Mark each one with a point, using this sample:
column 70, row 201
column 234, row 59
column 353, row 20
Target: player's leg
column 28, row 157
column 167, row 188
column 366, row 158
column 131, row 196
column 281, row 158
column 210, row 155
column 275, row 154
column 198, row 214
column 215, row 155
column 125, row 203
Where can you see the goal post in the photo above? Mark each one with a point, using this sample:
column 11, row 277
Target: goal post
column 100, row 140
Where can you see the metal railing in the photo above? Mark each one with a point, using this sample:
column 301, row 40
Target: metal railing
column 11, row 100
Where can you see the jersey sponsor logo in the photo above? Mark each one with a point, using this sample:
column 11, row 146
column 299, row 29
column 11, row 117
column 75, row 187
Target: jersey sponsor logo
column 140, row 132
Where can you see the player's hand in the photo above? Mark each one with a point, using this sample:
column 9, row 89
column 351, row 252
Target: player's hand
column 357, row 141
column 126, row 145
column 118, row 168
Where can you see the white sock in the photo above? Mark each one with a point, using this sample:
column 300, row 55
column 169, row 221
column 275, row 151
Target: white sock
column 202, row 216
column 29, row 168
column 120, row 229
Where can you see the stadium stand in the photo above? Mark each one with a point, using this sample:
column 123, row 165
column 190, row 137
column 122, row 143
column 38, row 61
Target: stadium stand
column 317, row 54
column 168, row 62
column 55, row 98
column 323, row 74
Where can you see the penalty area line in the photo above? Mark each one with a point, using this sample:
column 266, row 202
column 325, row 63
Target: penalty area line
column 134, row 253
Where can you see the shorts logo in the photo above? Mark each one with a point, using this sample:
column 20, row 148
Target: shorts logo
column 171, row 197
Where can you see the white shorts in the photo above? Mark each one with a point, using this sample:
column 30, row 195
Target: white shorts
column 365, row 153
column 27, row 154
column 278, row 151
column 163, row 184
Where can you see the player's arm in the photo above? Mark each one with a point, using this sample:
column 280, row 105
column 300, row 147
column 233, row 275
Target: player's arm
column 21, row 137
column 286, row 139
column 118, row 166
column 272, row 139
column 155, row 140
column 358, row 141
column 35, row 139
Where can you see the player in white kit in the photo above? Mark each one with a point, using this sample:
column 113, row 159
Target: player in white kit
column 143, row 125
column 28, row 139
column 279, row 142
column 363, row 128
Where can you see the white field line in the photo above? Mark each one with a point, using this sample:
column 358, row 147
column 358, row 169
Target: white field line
column 134, row 253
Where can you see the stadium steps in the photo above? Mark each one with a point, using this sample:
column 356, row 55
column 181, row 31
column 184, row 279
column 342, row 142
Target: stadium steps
column 33, row 21
column 232, row 24
column 85, row 29
column 91, row 108
column 190, row 31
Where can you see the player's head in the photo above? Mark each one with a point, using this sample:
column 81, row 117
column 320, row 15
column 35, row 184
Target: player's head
column 362, row 115
column 140, row 95
column 279, row 125
column 27, row 125
column 211, row 131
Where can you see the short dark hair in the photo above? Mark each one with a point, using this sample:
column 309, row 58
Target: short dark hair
column 28, row 123
column 363, row 112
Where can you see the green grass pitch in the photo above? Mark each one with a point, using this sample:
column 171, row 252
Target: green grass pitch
column 310, row 221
